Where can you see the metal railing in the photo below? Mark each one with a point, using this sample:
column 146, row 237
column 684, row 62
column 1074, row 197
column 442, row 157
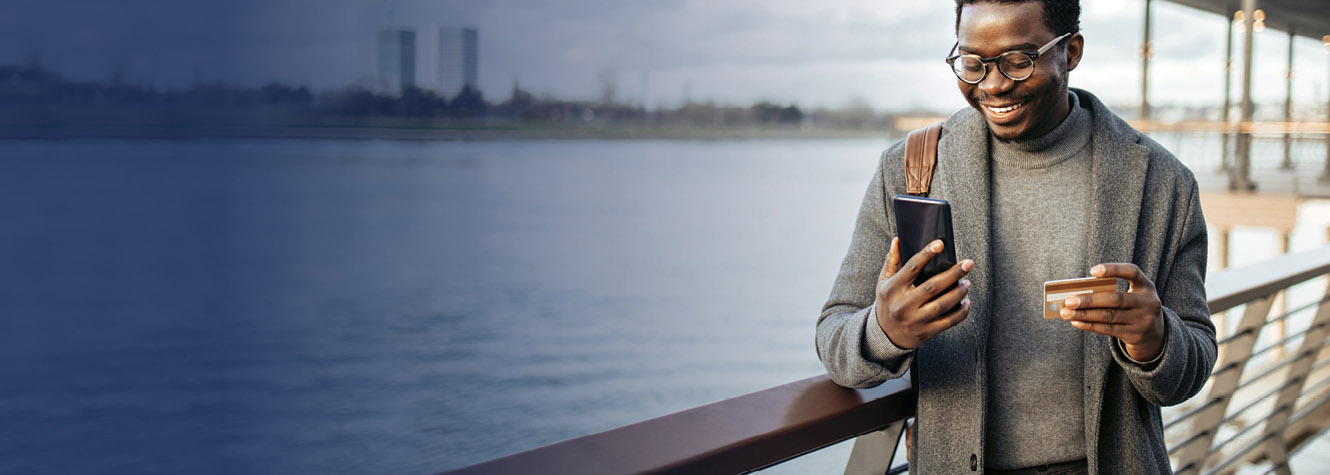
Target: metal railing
column 1266, row 416
column 1280, row 403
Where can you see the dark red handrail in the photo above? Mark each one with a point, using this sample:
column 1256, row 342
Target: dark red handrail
column 736, row 435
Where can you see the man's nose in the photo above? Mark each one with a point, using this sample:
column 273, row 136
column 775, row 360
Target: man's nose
column 995, row 83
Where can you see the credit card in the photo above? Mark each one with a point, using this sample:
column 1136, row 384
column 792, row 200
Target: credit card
column 1055, row 291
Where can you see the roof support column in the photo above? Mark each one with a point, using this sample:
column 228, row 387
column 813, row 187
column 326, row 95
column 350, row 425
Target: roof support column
column 1225, row 137
column 1325, row 174
column 1146, row 49
column 1239, row 178
column 1288, row 107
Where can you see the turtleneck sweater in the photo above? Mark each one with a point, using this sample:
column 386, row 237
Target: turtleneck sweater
column 1040, row 217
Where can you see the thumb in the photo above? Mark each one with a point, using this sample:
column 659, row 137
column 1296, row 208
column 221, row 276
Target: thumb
column 893, row 262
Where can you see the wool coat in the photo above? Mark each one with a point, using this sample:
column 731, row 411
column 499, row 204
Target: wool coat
column 1144, row 209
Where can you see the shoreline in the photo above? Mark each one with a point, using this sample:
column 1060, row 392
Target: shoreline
column 432, row 133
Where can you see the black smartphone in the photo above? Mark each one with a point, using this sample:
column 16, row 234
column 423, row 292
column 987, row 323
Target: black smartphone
column 920, row 221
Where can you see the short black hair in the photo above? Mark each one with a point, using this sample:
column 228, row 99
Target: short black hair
column 1061, row 16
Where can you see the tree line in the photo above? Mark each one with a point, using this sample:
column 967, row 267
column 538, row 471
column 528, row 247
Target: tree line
column 28, row 88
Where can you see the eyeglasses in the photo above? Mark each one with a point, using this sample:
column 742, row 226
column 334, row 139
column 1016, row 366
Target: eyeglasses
column 1015, row 65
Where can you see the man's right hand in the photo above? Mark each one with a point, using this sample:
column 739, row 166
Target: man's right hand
column 911, row 315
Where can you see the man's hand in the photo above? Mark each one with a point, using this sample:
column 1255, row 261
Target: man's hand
column 913, row 315
column 1135, row 316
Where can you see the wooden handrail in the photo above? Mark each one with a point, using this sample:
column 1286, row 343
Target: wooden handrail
column 1232, row 287
column 736, row 435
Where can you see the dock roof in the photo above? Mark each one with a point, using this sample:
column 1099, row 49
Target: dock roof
column 1309, row 18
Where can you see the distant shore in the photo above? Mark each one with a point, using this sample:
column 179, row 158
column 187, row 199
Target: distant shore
column 433, row 132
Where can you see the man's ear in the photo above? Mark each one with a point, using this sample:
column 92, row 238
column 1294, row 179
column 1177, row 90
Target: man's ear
column 1075, row 46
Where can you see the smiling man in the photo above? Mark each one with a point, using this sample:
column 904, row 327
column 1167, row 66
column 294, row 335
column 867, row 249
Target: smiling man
column 1045, row 183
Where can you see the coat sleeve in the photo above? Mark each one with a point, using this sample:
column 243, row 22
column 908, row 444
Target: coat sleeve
column 850, row 343
column 1189, row 343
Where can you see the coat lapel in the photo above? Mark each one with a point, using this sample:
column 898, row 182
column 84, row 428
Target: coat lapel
column 1119, row 185
column 963, row 176
column 1119, row 170
column 952, row 377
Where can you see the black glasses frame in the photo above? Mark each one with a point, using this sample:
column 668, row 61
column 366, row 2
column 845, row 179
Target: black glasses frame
column 1034, row 56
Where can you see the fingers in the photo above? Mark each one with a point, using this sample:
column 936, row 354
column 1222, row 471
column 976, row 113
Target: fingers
column 947, row 300
column 946, row 279
column 1134, row 317
column 893, row 263
column 1100, row 327
column 1112, row 316
column 916, row 263
column 1102, row 300
column 1127, row 271
column 1129, row 317
column 912, row 315
column 951, row 319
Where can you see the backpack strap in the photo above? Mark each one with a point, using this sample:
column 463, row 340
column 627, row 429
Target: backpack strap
column 920, row 158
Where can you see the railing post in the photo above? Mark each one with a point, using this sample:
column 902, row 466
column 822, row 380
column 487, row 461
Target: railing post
column 1287, row 164
column 1224, row 158
column 1277, row 448
column 1240, row 174
column 1281, row 300
column 1222, row 251
column 874, row 451
column 1146, row 51
column 1325, row 172
column 1224, row 383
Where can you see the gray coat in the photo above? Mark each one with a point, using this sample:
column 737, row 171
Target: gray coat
column 1145, row 210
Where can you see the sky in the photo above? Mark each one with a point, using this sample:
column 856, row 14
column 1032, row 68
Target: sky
column 886, row 54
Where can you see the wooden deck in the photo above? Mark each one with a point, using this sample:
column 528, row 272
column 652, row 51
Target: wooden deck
column 1264, row 210
column 1302, row 181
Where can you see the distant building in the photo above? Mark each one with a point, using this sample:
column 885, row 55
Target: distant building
column 397, row 60
column 458, row 60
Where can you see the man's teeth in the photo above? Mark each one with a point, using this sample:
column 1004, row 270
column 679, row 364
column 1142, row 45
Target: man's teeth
column 1004, row 110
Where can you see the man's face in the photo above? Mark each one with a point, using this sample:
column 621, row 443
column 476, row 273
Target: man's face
column 1025, row 109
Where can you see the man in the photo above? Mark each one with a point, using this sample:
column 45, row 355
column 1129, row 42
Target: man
column 1045, row 183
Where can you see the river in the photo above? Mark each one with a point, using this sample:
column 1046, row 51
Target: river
column 338, row 306
column 265, row 306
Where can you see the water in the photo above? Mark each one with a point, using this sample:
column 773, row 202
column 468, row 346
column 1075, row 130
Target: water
column 257, row 306
column 229, row 306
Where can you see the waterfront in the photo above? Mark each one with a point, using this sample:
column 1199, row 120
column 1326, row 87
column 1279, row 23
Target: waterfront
column 376, row 306
column 266, row 306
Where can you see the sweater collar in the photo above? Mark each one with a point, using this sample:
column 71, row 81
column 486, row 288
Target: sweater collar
column 1056, row 146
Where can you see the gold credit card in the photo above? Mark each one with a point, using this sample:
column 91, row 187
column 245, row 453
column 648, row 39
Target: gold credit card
column 1055, row 291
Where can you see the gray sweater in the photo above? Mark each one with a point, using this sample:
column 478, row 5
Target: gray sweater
column 1144, row 209
column 1039, row 185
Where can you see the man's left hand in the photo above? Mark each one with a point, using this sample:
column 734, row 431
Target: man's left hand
column 1135, row 316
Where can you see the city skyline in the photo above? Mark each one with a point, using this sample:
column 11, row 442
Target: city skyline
column 826, row 55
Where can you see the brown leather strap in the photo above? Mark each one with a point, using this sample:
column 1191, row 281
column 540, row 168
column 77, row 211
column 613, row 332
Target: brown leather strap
column 920, row 157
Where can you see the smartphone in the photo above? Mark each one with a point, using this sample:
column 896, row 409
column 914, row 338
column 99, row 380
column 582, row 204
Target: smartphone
column 920, row 221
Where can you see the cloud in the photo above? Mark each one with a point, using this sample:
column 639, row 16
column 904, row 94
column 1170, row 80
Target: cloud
column 813, row 53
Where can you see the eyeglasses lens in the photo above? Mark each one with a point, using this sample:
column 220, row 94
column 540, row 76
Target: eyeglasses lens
column 969, row 68
column 1016, row 66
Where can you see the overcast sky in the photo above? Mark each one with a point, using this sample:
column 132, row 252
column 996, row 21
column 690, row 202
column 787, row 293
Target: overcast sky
column 828, row 53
